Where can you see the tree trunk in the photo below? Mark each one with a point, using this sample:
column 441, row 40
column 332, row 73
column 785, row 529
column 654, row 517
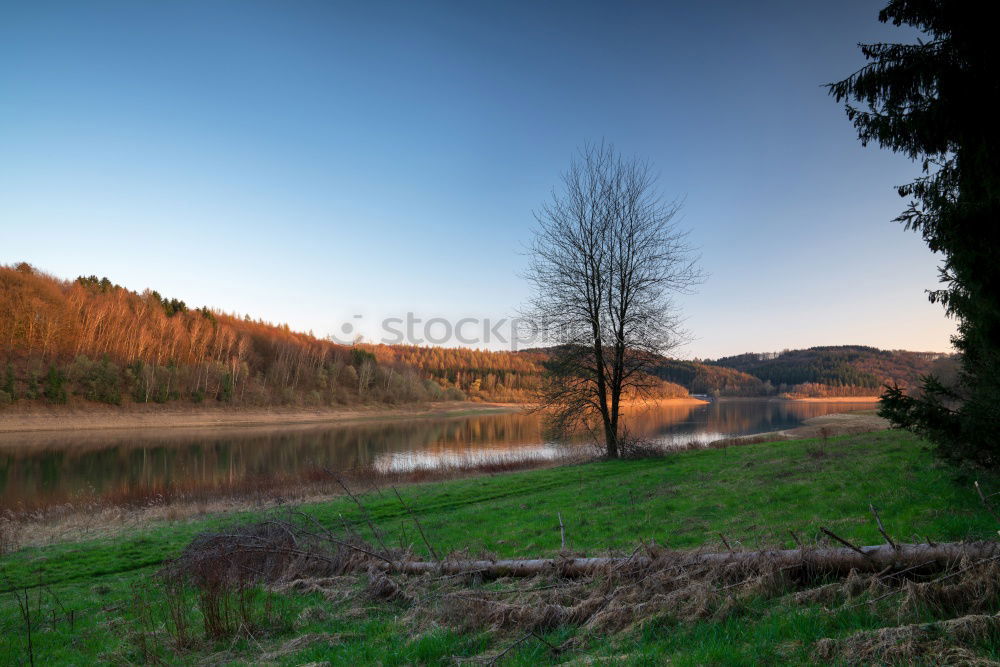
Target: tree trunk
column 827, row 561
column 611, row 439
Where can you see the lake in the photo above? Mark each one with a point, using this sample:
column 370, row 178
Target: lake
column 119, row 466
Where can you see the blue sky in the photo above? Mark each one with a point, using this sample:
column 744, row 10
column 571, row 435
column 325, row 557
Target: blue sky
column 306, row 162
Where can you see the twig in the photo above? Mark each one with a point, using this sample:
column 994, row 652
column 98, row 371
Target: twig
column 909, row 569
column 364, row 511
column 25, row 607
column 795, row 537
column 725, row 541
column 419, row 527
column 881, row 528
column 331, row 538
column 629, row 559
column 507, row 650
column 562, row 531
column 847, row 544
column 307, row 554
column 544, row 641
column 985, row 503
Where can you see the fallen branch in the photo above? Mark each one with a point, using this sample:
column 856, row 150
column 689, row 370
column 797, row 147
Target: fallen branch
column 833, row 561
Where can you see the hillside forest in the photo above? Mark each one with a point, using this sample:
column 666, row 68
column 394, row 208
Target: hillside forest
column 91, row 340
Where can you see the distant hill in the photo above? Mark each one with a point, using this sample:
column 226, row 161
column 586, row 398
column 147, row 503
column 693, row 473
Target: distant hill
column 833, row 370
column 690, row 376
column 701, row 378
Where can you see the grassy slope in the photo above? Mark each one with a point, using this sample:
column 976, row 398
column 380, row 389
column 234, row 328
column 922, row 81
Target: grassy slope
column 754, row 495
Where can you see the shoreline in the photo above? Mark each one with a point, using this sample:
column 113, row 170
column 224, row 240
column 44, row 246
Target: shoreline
column 71, row 420
column 837, row 399
column 824, row 426
column 115, row 418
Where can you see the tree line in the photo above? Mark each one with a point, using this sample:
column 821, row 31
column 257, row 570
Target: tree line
column 857, row 366
column 102, row 342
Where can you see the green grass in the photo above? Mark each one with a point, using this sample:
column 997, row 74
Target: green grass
column 754, row 495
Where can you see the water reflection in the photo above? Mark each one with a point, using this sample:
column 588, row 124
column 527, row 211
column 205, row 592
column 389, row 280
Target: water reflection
column 55, row 469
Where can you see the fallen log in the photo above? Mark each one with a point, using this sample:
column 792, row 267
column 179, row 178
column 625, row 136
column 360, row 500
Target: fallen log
column 920, row 558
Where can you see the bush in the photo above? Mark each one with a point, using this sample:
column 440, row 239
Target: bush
column 55, row 389
column 349, row 377
column 287, row 396
column 433, row 390
column 454, row 394
column 226, row 388
column 34, row 390
column 5, row 398
column 8, row 383
column 99, row 382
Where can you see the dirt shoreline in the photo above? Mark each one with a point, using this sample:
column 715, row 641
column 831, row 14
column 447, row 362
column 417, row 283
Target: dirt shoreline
column 837, row 399
column 71, row 419
column 109, row 418
column 92, row 418
column 824, row 426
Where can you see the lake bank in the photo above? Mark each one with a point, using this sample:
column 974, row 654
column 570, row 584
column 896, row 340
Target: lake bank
column 139, row 417
column 97, row 417
column 100, row 418
column 825, row 426
column 837, row 399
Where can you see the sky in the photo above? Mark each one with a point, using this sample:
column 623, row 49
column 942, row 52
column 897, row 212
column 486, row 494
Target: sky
column 332, row 164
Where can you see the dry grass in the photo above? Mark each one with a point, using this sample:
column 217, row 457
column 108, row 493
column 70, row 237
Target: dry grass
column 941, row 642
column 10, row 535
column 665, row 587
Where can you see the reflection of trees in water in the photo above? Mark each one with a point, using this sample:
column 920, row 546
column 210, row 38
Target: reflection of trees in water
column 60, row 471
column 724, row 418
column 61, row 474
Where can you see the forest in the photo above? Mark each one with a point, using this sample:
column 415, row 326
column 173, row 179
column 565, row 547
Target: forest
column 841, row 370
column 90, row 339
column 94, row 340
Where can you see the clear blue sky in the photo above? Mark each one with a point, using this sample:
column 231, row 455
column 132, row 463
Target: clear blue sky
column 308, row 161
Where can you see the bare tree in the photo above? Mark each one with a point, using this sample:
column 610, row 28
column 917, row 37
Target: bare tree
column 606, row 258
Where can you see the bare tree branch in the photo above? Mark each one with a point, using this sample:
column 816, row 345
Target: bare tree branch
column 606, row 258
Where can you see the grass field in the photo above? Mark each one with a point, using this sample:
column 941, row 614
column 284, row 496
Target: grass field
column 99, row 601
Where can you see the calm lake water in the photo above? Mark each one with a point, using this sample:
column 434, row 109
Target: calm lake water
column 47, row 470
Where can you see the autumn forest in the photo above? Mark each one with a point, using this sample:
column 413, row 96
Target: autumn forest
column 91, row 340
